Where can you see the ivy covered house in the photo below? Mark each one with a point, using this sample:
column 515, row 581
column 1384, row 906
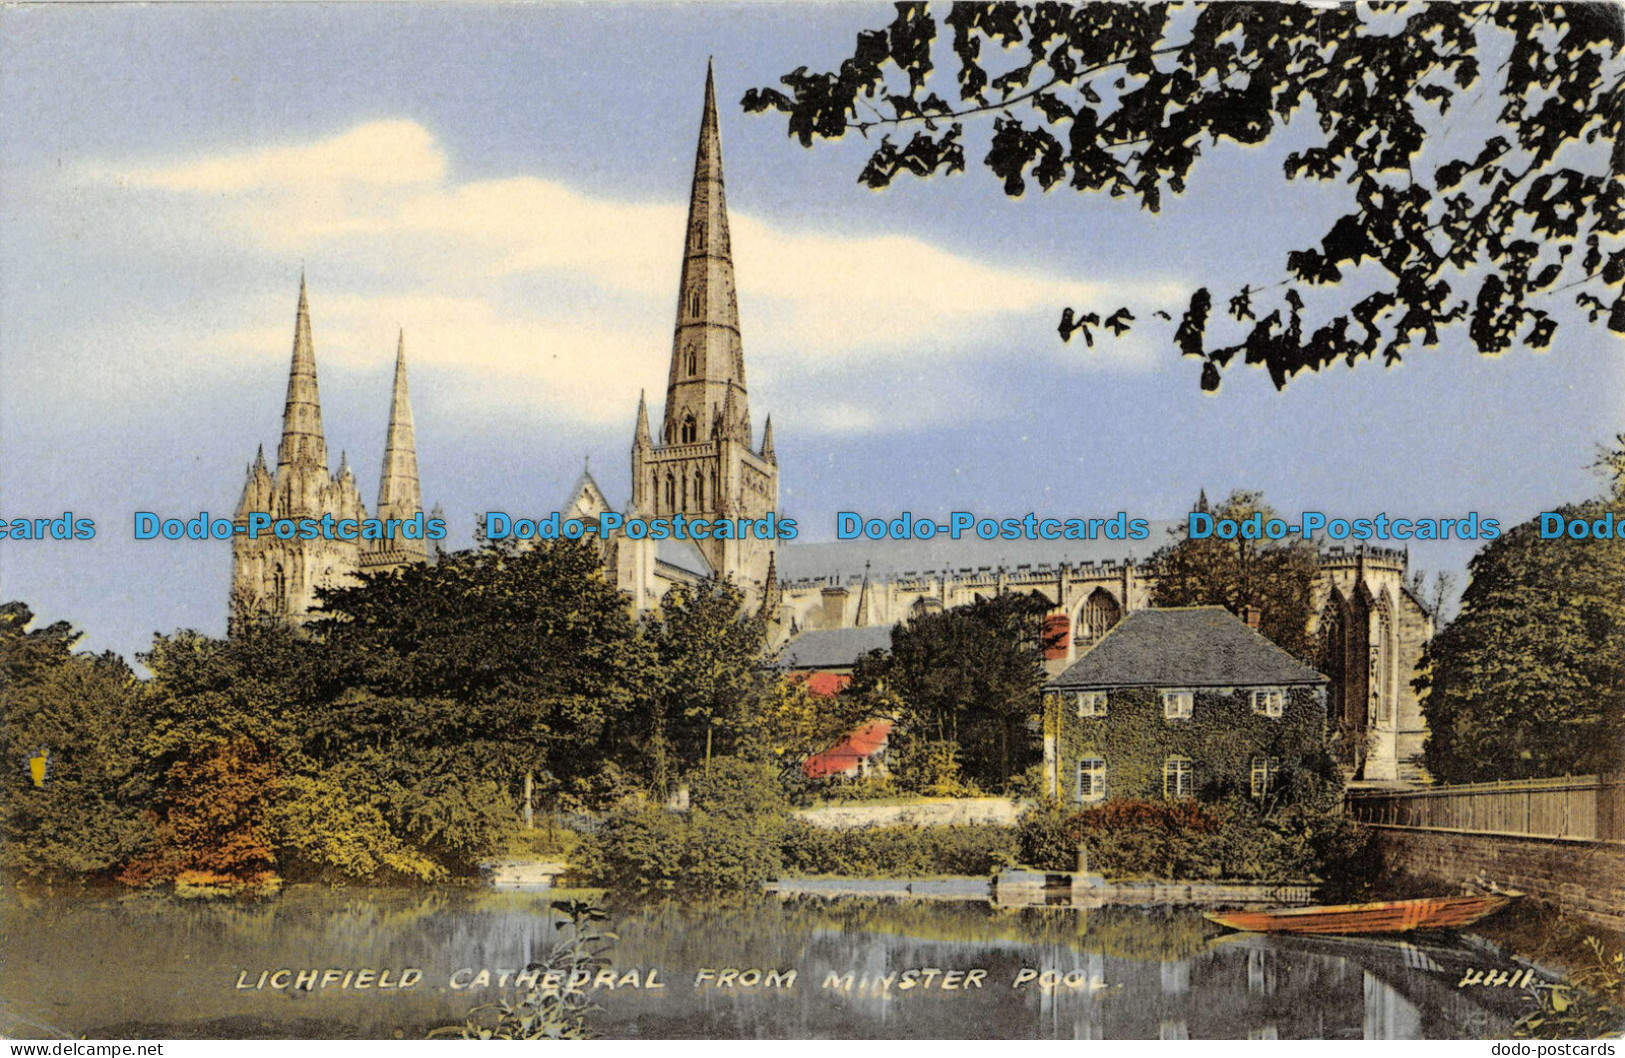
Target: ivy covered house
column 1184, row 703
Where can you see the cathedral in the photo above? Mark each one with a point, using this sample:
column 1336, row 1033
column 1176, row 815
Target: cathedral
column 277, row 579
column 706, row 461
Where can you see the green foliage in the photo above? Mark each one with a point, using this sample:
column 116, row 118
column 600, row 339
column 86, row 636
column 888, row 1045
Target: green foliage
column 1276, row 576
column 705, row 681
column 1121, row 98
column 491, row 662
column 1221, row 738
column 729, row 840
column 790, row 723
column 322, row 830
column 84, row 711
column 1183, row 840
column 1529, row 679
column 557, row 1012
column 898, row 851
column 967, row 682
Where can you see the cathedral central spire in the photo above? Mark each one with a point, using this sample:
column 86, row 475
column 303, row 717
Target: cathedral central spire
column 707, row 358
column 303, row 443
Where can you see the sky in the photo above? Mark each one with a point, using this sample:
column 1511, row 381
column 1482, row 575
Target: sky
column 507, row 184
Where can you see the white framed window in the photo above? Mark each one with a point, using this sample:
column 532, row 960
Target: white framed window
column 1091, row 703
column 1092, row 779
column 1178, row 780
column 1269, row 701
column 1264, row 776
column 1177, row 705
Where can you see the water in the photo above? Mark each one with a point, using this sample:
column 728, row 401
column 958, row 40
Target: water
column 143, row 965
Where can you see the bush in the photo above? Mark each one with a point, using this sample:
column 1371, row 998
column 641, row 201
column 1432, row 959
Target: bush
column 729, row 840
column 897, row 851
column 1186, row 840
column 321, row 830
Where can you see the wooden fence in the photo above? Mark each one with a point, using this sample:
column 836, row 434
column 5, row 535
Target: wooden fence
column 1574, row 808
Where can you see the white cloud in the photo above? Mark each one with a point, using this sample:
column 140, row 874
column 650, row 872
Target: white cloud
column 527, row 289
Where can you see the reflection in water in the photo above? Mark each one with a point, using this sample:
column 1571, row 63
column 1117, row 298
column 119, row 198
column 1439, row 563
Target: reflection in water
column 144, row 965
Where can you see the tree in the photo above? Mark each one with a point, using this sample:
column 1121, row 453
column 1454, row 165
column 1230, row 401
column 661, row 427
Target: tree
column 1276, row 576
column 1529, row 680
column 1121, row 98
column 84, row 712
column 707, row 678
column 489, row 664
column 970, row 678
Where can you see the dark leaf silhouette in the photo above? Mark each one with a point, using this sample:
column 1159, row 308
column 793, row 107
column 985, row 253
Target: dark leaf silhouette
column 1120, row 98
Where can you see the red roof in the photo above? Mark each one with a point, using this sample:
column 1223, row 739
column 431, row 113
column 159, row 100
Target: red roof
column 826, row 684
column 846, row 755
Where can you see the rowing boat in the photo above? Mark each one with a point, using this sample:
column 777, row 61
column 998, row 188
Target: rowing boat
column 1389, row 916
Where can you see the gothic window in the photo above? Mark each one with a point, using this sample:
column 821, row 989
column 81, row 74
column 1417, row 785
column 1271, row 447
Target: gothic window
column 1100, row 613
column 1382, row 703
column 690, row 431
column 685, row 490
column 1092, row 779
column 279, row 590
column 691, row 363
column 671, row 493
column 693, row 310
column 699, row 490
column 654, row 489
column 1178, row 782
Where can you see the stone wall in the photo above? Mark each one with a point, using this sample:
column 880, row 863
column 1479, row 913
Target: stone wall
column 1587, row 878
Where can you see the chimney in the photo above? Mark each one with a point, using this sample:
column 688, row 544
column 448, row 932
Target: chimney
column 1251, row 614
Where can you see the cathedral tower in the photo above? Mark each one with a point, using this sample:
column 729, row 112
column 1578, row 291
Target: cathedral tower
column 277, row 579
column 702, row 463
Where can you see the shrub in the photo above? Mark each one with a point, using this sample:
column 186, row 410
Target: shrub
column 1186, row 840
column 897, row 851
column 637, row 846
column 321, row 829
column 730, row 839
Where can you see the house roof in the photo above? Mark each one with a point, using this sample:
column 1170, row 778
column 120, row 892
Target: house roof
column 833, row 648
column 1197, row 646
column 853, row 748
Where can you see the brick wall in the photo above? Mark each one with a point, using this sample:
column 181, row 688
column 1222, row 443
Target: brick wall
column 1582, row 877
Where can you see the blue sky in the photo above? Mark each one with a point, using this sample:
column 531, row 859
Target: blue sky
column 507, row 184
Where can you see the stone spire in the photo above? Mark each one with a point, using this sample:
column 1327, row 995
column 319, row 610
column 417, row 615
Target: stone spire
column 772, row 594
column 861, row 619
column 303, row 443
column 767, row 442
column 398, row 493
column 641, row 438
column 707, row 358
column 400, row 496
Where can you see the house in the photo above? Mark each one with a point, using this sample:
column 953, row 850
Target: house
column 823, row 659
column 1184, row 703
column 858, row 754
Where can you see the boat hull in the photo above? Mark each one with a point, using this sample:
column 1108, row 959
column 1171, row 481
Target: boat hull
column 1391, row 916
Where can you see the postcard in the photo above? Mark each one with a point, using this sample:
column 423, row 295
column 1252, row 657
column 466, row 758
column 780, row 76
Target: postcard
column 812, row 521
